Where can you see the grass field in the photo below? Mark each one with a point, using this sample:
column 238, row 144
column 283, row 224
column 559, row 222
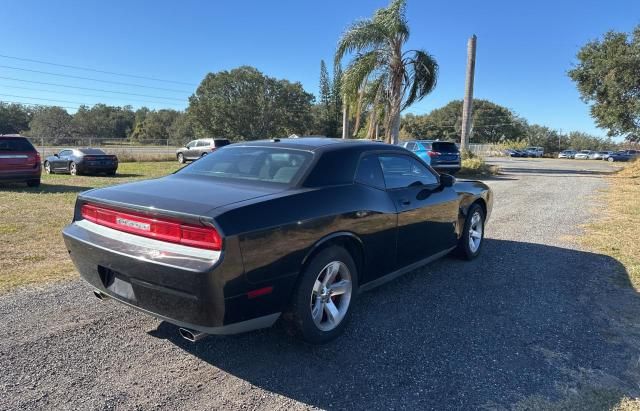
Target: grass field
column 617, row 233
column 31, row 246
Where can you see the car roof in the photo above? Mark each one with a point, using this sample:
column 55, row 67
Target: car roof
column 317, row 143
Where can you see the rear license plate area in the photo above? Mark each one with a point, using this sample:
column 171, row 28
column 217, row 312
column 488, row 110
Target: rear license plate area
column 118, row 283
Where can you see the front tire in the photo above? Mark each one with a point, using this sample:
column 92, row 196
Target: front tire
column 472, row 237
column 180, row 158
column 321, row 305
column 73, row 169
column 47, row 167
column 610, row 159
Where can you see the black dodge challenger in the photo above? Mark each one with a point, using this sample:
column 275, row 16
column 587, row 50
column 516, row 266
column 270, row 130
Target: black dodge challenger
column 259, row 230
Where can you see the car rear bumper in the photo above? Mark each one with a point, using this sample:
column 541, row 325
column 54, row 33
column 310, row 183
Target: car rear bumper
column 447, row 167
column 20, row 175
column 186, row 286
column 94, row 168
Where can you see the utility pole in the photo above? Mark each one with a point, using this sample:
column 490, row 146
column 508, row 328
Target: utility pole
column 467, row 106
column 345, row 118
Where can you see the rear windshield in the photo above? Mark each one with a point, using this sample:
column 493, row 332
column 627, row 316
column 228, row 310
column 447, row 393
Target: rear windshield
column 221, row 143
column 15, row 144
column 443, row 147
column 264, row 164
column 91, row 151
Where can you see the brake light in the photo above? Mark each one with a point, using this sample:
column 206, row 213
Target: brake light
column 433, row 153
column 38, row 159
column 89, row 158
column 157, row 228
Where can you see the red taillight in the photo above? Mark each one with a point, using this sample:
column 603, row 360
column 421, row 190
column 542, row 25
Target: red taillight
column 90, row 158
column 433, row 153
column 38, row 159
column 160, row 229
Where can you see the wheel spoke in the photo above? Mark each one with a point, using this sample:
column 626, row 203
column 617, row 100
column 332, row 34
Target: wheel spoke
column 332, row 311
column 316, row 310
column 341, row 287
column 332, row 271
column 317, row 287
column 475, row 234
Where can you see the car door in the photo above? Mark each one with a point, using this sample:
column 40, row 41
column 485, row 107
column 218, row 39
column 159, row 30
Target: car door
column 189, row 153
column 427, row 212
column 62, row 161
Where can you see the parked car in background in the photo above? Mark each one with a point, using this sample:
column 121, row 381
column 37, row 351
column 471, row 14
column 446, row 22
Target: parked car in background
column 298, row 226
column 19, row 161
column 633, row 153
column 195, row 149
column 619, row 156
column 534, row 151
column 583, row 155
column 76, row 161
column 600, row 155
column 567, row 154
column 442, row 156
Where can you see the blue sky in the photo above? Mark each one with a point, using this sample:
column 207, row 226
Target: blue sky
column 524, row 48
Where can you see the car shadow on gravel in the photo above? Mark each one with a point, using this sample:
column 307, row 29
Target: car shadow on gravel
column 523, row 323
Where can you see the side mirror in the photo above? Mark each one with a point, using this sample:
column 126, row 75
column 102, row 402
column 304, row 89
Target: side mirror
column 56, row 155
column 447, row 180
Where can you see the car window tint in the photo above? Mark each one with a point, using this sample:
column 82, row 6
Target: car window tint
column 404, row 171
column 334, row 167
column 443, row 147
column 15, row 144
column 91, row 151
column 369, row 172
column 65, row 153
column 191, row 144
column 263, row 164
column 221, row 143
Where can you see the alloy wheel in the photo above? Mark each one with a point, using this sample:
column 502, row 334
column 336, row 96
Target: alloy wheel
column 47, row 167
column 475, row 232
column 72, row 169
column 331, row 296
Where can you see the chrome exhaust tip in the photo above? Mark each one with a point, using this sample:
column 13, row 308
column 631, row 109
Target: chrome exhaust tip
column 99, row 295
column 191, row 335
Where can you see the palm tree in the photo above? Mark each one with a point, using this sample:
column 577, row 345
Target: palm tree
column 405, row 77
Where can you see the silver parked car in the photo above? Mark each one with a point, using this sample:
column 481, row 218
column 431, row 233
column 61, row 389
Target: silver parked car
column 601, row 155
column 583, row 155
column 567, row 154
column 199, row 148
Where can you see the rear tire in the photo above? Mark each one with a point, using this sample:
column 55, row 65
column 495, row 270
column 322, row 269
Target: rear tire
column 33, row 183
column 180, row 158
column 47, row 167
column 610, row 159
column 321, row 305
column 73, row 169
column 472, row 238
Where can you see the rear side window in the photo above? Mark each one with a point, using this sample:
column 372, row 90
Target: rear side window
column 404, row 171
column 334, row 168
column 203, row 143
column 369, row 172
column 221, row 143
column 15, row 144
column 442, row 147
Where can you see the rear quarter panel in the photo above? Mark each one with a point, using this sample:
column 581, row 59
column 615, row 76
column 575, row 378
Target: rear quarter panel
column 276, row 235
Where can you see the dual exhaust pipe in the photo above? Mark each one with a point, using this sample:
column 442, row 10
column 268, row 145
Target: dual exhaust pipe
column 186, row 333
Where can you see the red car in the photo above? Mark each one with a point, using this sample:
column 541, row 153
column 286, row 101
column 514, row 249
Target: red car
column 19, row 161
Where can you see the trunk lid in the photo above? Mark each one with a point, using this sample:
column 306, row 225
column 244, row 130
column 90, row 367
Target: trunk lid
column 183, row 194
column 16, row 153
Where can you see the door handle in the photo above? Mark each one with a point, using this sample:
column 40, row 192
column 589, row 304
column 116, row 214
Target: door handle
column 404, row 202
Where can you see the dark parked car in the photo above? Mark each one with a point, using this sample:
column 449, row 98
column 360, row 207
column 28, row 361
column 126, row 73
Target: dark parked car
column 619, row 156
column 442, row 156
column 77, row 161
column 255, row 230
column 199, row 148
column 19, row 161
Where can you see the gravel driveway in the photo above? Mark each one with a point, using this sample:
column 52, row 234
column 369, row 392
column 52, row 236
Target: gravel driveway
column 533, row 320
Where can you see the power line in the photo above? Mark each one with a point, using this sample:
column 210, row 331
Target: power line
column 94, row 79
column 92, row 89
column 96, row 70
column 36, row 105
column 85, row 95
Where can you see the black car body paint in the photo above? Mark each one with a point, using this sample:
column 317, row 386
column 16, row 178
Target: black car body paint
column 270, row 231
